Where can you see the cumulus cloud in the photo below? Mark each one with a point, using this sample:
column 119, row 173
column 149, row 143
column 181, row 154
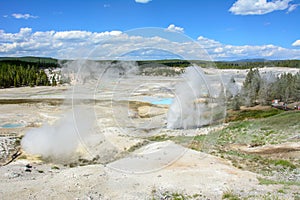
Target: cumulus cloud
column 296, row 43
column 260, row 7
column 119, row 45
column 292, row 7
column 221, row 51
column 23, row 16
column 142, row 1
column 172, row 27
column 208, row 43
column 60, row 44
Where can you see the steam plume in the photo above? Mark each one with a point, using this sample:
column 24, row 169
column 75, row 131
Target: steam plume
column 59, row 141
column 186, row 111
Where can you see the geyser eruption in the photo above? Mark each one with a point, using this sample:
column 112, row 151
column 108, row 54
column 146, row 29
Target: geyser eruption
column 188, row 107
column 61, row 140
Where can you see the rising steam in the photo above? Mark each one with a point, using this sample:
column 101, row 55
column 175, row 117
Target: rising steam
column 187, row 109
column 61, row 140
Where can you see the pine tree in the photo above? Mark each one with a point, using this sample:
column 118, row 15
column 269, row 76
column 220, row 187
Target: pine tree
column 236, row 102
column 265, row 94
column 296, row 94
column 251, row 87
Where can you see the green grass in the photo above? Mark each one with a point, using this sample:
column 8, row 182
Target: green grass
column 137, row 146
column 252, row 114
column 271, row 130
column 264, row 128
column 284, row 163
column 283, row 121
column 281, row 191
column 158, row 195
column 257, row 163
column 276, row 129
column 253, row 133
column 159, row 138
column 230, row 195
column 194, row 143
column 265, row 181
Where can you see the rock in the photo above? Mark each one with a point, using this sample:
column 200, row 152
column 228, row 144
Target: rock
column 27, row 170
column 28, row 166
column 150, row 111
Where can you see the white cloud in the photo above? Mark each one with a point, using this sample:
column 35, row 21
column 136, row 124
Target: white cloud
column 296, row 43
column 260, row 7
column 221, row 51
column 292, row 8
column 23, row 16
column 116, row 44
column 142, row 1
column 208, row 43
column 72, row 35
column 172, row 27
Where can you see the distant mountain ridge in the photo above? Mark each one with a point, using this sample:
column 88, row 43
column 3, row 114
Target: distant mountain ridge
column 251, row 60
column 236, row 64
column 30, row 59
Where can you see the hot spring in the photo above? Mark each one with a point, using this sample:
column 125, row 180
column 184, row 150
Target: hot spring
column 158, row 101
column 12, row 125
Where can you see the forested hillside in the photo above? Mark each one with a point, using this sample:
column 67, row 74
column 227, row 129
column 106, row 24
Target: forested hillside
column 30, row 71
column 36, row 61
column 27, row 71
column 263, row 88
column 247, row 64
column 16, row 76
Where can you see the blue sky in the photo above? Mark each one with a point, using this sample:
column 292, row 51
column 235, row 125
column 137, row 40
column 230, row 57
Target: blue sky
column 227, row 29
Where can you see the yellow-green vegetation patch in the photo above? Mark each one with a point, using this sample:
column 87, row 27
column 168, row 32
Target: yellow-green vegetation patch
column 192, row 142
column 265, row 181
column 230, row 195
column 158, row 194
column 272, row 130
column 137, row 146
column 252, row 114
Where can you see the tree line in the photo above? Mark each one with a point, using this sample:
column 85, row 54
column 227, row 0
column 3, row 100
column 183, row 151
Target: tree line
column 40, row 62
column 263, row 88
column 12, row 75
column 247, row 64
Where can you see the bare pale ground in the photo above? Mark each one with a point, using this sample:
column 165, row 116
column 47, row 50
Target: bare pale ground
column 193, row 173
column 126, row 167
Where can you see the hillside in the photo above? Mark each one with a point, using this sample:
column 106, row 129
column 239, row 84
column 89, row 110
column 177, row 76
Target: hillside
column 238, row 64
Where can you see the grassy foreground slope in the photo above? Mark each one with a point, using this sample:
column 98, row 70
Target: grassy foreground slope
column 265, row 141
column 262, row 141
column 269, row 146
column 262, row 144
